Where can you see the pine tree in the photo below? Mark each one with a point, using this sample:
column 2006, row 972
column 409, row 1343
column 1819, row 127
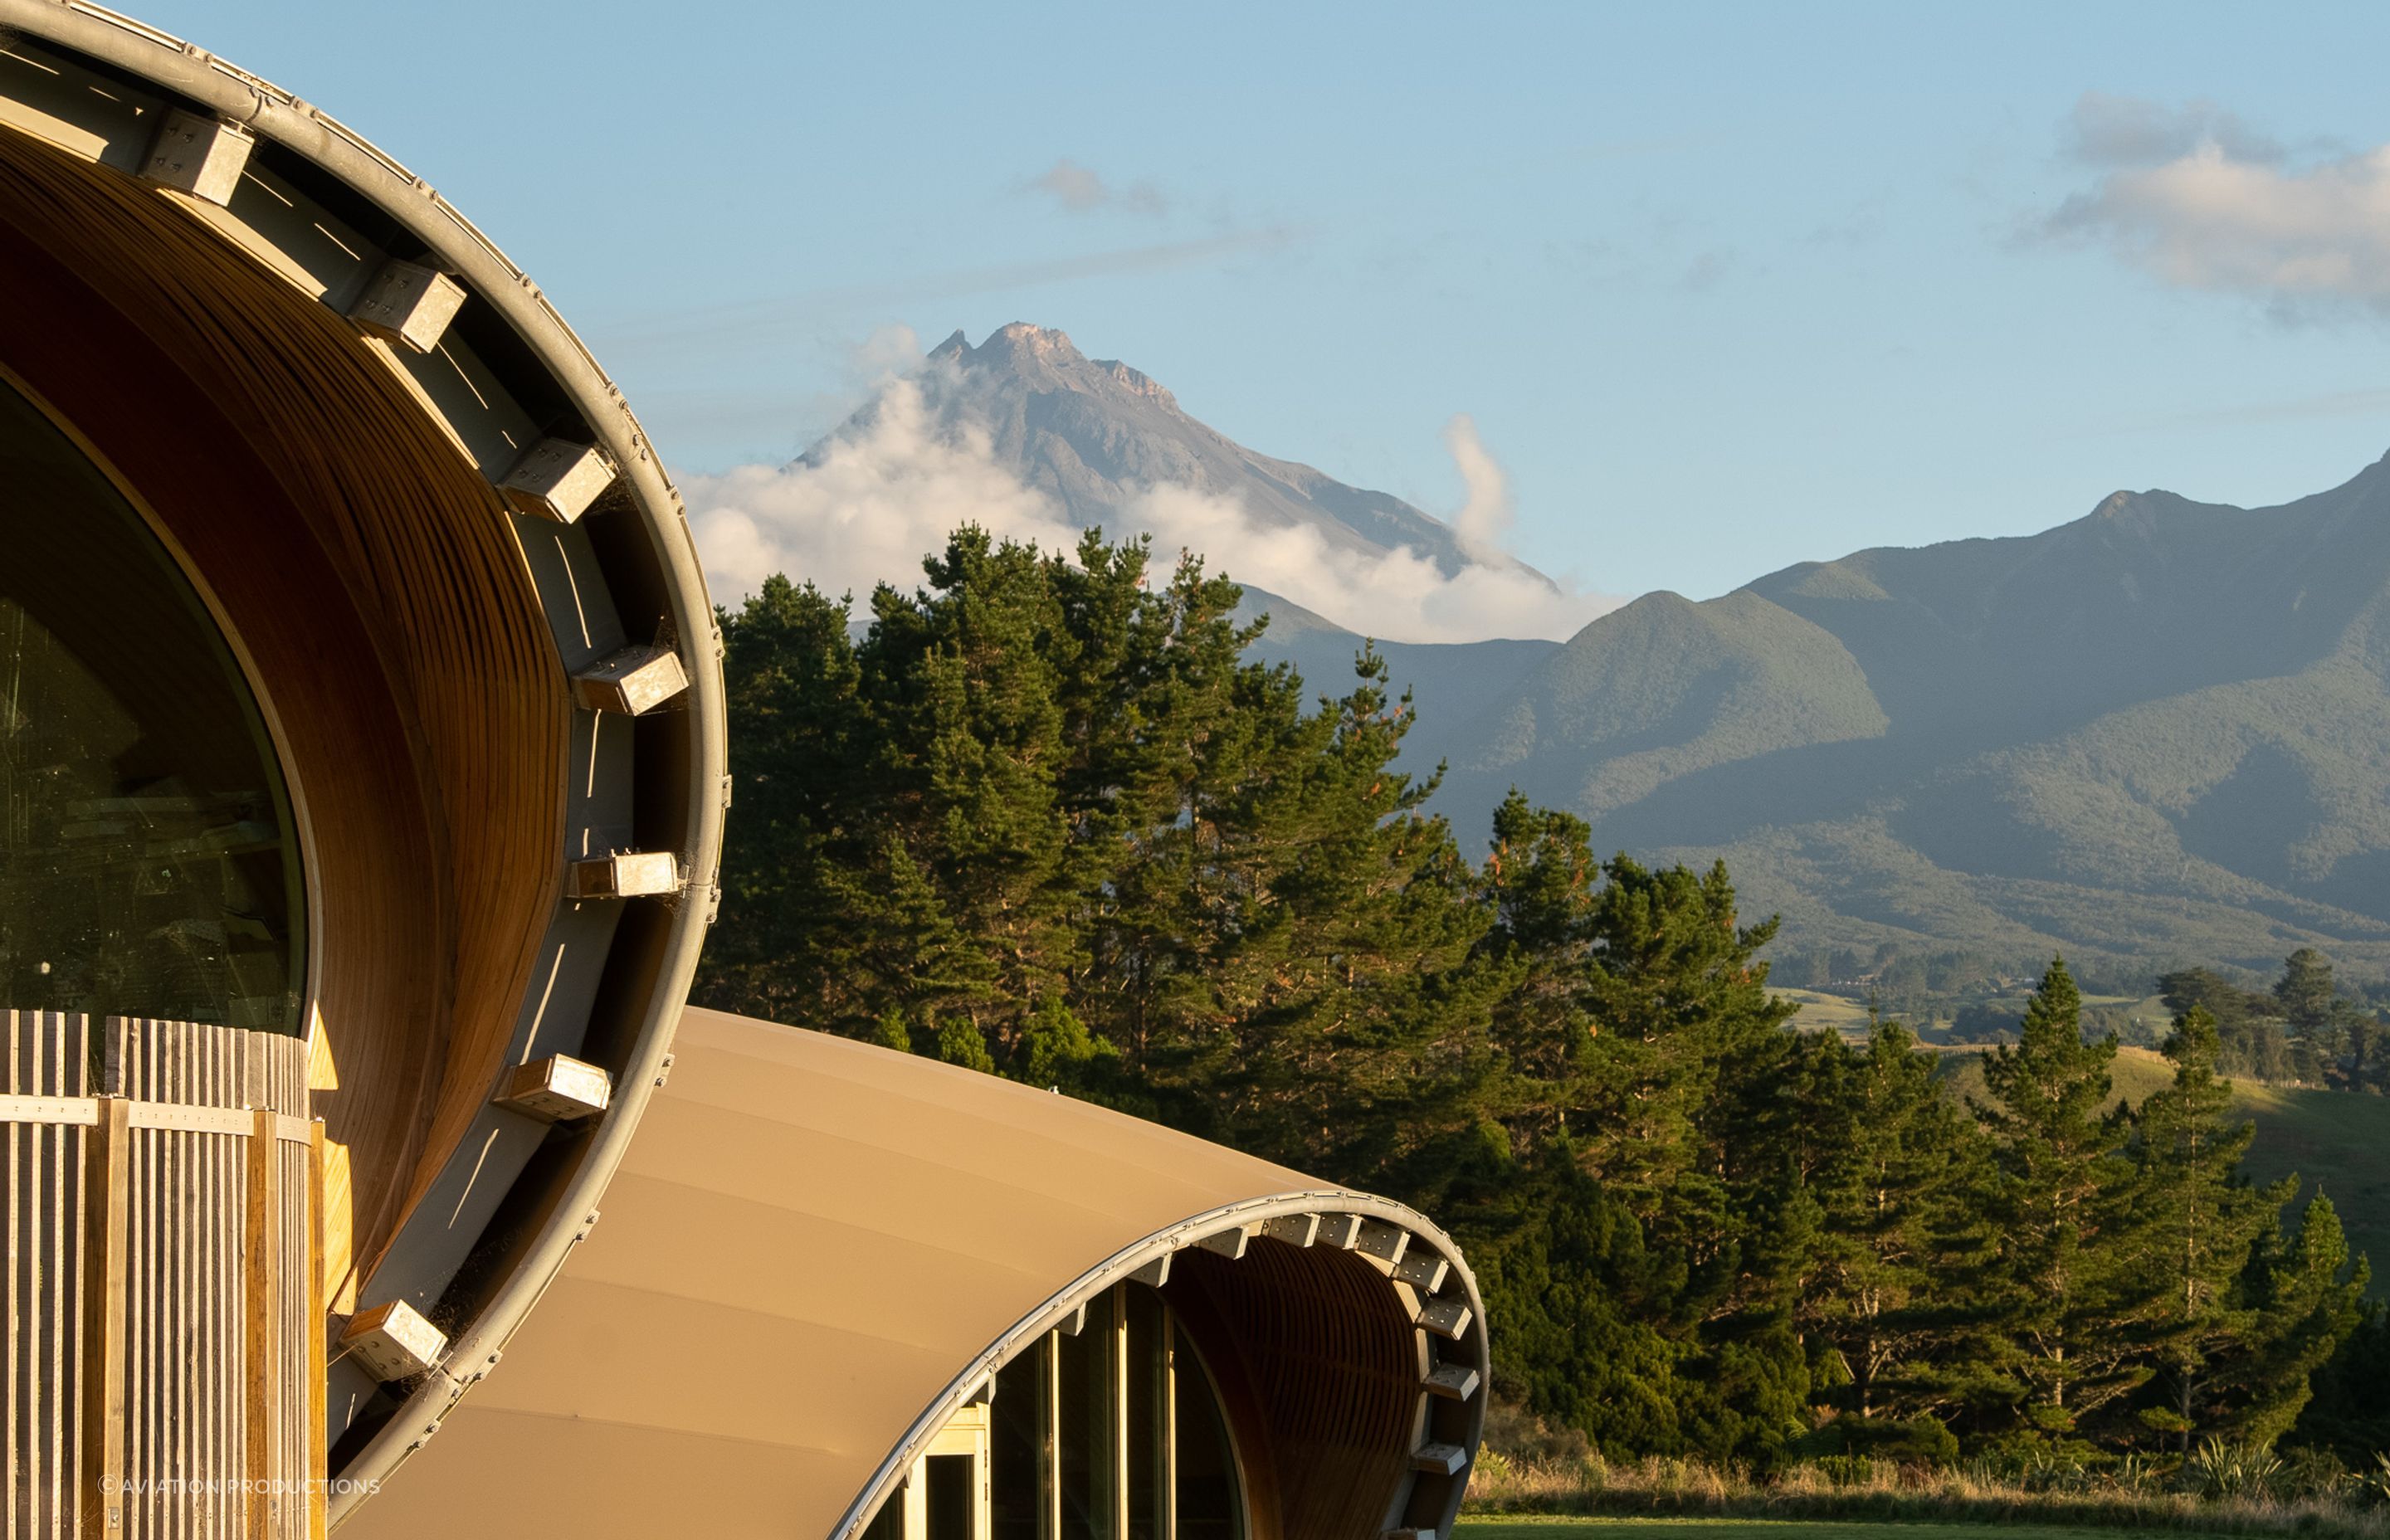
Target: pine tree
column 1540, row 878
column 962, row 1043
column 1642, row 1041
column 1903, row 1184
column 2349, row 1411
column 961, row 684
column 798, row 816
column 1345, row 1026
column 1565, row 1269
column 1056, row 1052
column 2312, row 1302
column 2310, row 1004
column 2306, row 991
column 2200, row 1225
column 1686, row 1050
column 2064, row 1334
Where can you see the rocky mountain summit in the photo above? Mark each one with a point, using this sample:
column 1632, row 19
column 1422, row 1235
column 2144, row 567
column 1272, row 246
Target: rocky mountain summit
column 1095, row 434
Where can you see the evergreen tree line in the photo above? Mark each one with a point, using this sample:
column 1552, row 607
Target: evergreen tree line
column 2305, row 1030
column 1043, row 818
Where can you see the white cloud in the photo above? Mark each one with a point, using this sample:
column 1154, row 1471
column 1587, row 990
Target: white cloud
column 889, row 353
column 1082, row 190
column 1484, row 518
column 867, row 511
column 875, row 501
column 1399, row 596
column 2198, row 200
column 2105, row 130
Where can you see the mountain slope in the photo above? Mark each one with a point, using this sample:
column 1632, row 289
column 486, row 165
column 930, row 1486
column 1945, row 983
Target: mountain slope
column 1674, row 688
column 1447, row 681
column 2159, row 733
column 1096, row 433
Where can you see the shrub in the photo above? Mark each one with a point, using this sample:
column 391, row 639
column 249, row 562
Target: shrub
column 2217, row 1470
column 1526, row 1439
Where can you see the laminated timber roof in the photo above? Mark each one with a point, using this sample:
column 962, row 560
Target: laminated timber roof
column 816, row 1248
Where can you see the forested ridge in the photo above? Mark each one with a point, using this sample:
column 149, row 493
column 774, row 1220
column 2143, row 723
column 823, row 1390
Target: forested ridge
column 2155, row 734
column 1044, row 817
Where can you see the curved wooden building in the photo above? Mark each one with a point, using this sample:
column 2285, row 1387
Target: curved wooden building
column 362, row 779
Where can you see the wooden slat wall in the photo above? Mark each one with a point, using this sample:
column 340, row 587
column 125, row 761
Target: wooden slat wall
column 47, row 1056
column 187, row 1344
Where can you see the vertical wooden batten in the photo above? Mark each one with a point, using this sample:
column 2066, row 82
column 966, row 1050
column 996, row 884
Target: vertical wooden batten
column 130, row 1359
column 262, row 1289
column 312, row 1323
column 107, row 1194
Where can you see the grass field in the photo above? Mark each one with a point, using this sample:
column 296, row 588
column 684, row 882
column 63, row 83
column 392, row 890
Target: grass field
column 1589, row 1499
column 2336, row 1140
column 1751, row 1529
column 1822, row 1012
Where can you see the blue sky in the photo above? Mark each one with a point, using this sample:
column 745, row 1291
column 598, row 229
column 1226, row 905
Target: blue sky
column 1723, row 287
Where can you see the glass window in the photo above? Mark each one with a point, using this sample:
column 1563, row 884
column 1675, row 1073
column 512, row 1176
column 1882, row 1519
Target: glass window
column 1210, row 1500
column 1124, row 1401
column 146, row 864
column 1017, row 1448
column 1085, row 1454
column 947, row 1503
column 1143, row 1413
column 889, row 1523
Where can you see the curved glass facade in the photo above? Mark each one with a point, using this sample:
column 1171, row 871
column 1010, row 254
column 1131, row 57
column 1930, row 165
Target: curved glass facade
column 147, row 860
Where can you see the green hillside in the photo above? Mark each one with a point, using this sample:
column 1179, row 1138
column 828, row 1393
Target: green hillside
column 2338, row 1140
column 2159, row 735
column 1666, row 688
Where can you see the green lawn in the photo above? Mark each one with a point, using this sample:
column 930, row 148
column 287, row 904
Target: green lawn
column 1754, row 1529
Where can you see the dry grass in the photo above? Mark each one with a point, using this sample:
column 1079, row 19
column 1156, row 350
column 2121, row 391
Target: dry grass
column 1882, row 1492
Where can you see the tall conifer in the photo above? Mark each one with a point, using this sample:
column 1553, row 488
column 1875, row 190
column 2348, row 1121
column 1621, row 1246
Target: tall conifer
column 2201, row 1224
column 1904, row 1183
column 2063, row 1296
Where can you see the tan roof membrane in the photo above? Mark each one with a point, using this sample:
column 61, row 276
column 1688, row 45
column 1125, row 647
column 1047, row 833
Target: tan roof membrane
column 812, row 1247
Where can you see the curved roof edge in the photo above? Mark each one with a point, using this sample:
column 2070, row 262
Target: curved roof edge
column 1127, row 1264
column 278, row 116
column 817, row 1249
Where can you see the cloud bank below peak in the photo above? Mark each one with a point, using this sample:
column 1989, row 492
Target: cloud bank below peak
column 868, row 504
